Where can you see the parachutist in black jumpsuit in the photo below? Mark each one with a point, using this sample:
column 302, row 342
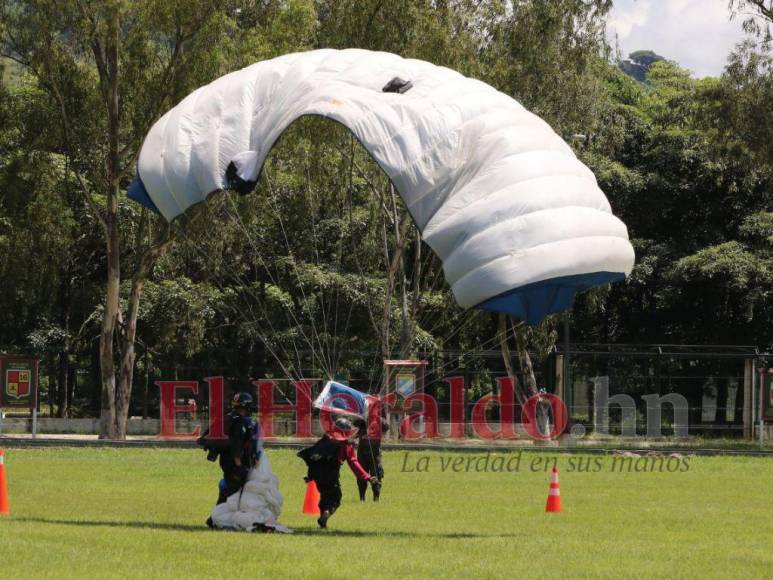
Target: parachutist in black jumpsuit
column 238, row 453
column 369, row 456
column 324, row 460
column 237, row 460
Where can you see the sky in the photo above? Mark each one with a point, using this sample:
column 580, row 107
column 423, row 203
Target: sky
column 697, row 34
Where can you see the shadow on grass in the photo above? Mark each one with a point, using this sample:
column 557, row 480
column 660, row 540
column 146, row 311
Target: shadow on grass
column 112, row 524
column 298, row 531
column 399, row 534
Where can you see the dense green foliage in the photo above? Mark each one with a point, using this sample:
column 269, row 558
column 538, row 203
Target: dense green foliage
column 296, row 276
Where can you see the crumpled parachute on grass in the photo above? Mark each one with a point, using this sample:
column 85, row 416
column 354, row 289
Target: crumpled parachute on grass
column 259, row 502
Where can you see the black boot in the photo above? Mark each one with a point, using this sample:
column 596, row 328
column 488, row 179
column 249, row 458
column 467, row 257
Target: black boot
column 322, row 521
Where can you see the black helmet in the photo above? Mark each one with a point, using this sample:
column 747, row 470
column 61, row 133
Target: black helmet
column 242, row 399
column 344, row 424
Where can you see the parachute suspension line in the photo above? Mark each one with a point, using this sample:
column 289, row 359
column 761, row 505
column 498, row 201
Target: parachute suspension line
column 244, row 283
column 461, row 320
column 416, row 285
column 368, row 302
column 467, row 319
column 236, row 218
column 237, row 310
column 394, row 268
column 458, row 317
column 310, row 203
column 430, row 290
column 433, row 286
column 329, row 364
column 438, row 371
column 377, row 363
column 390, row 210
column 340, row 252
column 332, row 339
column 249, row 320
column 301, row 284
column 274, row 280
column 317, row 354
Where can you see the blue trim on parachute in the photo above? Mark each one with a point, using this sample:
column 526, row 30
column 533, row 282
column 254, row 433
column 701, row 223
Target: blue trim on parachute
column 138, row 193
column 535, row 301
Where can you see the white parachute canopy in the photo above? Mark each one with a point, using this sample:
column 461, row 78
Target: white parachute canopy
column 517, row 220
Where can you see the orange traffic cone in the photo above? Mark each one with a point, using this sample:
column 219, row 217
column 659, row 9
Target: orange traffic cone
column 554, row 495
column 4, row 507
column 311, row 502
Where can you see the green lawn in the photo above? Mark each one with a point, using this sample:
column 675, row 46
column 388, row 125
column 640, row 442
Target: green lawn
column 140, row 513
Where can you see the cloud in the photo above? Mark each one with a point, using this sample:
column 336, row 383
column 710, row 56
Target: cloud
column 697, row 34
column 622, row 21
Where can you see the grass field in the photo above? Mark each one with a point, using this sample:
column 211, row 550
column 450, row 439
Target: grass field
column 140, row 513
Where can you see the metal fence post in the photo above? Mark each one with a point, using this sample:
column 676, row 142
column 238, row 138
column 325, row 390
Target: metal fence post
column 761, row 410
column 568, row 395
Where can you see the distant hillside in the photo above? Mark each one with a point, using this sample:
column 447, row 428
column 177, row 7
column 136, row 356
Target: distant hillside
column 638, row 64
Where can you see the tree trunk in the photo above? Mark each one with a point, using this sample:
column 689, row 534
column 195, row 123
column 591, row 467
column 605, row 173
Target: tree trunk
column 530, row 381
column 410, row 308
column 507, row 359
column 109, row 81
column 72, row 383
column 406, row 326
column 146, row 388
column 62, row 382
column 52, row 390
column 126, row 377
column 106, row 339
column 401, row 228
column 525, row 360
column 64, row 354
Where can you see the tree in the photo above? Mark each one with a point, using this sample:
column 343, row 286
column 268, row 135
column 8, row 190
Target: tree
column 686, row 182
column 48, row 261
column 757, row 14
column 320, row 270
column 747, row 94
column 110, row 68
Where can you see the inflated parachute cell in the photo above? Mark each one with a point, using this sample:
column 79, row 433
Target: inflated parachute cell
column 517, row 220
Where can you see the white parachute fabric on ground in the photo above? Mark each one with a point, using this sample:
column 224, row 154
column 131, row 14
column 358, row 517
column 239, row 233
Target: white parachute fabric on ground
column 495, row 192
column 259, row 502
